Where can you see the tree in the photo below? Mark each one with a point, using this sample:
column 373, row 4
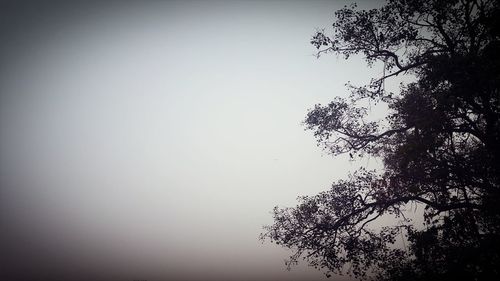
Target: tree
column 439, row 144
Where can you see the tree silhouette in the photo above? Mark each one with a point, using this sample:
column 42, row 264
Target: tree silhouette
column 439, row 145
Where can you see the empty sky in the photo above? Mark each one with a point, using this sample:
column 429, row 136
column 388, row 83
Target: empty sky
column 151, row 140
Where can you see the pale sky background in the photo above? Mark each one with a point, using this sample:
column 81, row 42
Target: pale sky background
column 151, row 140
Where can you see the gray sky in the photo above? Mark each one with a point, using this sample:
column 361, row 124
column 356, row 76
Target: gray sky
column 151, row 141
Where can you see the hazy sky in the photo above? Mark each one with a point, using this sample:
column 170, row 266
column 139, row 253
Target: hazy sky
column 151, row 141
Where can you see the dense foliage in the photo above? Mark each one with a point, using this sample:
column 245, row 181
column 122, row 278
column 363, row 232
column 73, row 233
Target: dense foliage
column 439, row 143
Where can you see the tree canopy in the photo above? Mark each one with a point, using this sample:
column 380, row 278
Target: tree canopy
column 439, row 145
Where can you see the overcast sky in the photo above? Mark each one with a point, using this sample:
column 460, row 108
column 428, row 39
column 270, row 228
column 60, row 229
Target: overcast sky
column 151, row 141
